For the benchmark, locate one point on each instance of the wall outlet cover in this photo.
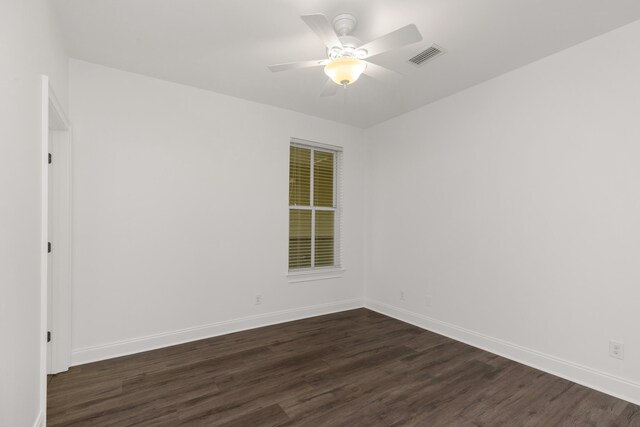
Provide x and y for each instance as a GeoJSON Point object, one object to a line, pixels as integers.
{"type": "Point", "coordinates": [616, 349]}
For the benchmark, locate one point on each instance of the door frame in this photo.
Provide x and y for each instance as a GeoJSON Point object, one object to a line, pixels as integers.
{"type": "Point", "coordinates": [56, 125]}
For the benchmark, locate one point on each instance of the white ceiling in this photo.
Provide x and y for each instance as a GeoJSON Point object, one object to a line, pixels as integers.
{"type": "Point", "coordinates": [226, 45]}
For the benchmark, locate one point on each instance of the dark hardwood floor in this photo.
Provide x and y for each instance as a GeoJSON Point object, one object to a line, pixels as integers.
{"type": "Point", "coordinates": [355, 368]}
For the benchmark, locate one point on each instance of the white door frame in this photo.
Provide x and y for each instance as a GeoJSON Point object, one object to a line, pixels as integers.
{"type": "Point", "coordinates": [56, 134]}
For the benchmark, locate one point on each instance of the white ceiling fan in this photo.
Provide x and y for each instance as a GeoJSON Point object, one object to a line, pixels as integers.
{"type": "Point", "coordinates": [346, 55]}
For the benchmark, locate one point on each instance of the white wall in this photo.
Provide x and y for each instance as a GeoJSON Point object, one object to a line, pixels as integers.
{"type": "Point", "coordinates": [181, 213]}
{"type": "Point", "coordinates": [30, 46]}
{"type": "Point", "coordinates": [515, 206]}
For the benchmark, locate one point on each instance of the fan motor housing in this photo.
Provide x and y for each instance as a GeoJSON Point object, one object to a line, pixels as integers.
{"type": "Point", "coordinates": [344, 24]}
{"type": "Point", "coordinates": [350, 41]}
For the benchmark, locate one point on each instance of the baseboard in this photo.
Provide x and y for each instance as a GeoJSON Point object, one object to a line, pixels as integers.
{"type": "Point", "coordinates": [151, 342]}
{"type": "Point", "coordinates": [39, 422]}
{"type": "Point", "coordinates": [592, 378]}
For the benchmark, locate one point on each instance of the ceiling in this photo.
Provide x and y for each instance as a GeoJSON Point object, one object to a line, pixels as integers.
{"type": "Point", "coordinates": [226, 45]}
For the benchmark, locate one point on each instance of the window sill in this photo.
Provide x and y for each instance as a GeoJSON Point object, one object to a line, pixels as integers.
{"type": "Point", "coordinates": [320, 274]}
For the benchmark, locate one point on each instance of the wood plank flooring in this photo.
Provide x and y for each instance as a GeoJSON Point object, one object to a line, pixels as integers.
{"type": "Point", "coordinates": [355, 368]}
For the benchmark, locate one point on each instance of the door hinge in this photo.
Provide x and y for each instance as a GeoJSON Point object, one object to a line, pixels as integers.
{"type": "Point", "coordinates": [48, 247]}
{"type": "Point", "coordinates": [50, 158]}
{"type": "Point", "coordinates": [48, 336]}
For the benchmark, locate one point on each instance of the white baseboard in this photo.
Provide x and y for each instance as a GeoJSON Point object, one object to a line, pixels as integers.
{"type": "Point", "coordinates": [165, 339]}
{"type": "Point", "coordinates": [589, 377]}
{"type": "Point", "coordinates": [39, 422]}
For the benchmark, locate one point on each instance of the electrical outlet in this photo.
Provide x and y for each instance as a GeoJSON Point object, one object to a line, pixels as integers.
{"type": "Point", "coordinates": [616, 349]}
{"type": "Point", "coordinates": [258, 299]}
{"type": "Point", "coordinates": [401, 295]}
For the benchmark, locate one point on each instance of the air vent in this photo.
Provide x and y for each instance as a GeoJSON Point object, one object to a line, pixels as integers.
{"type": "Point", "coordinates": [427, 55]}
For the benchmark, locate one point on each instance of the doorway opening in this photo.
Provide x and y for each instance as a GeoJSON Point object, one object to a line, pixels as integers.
{"type": "Point", "coordinates": [55, 303]}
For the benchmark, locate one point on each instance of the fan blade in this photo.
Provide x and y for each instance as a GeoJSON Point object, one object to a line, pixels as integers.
{"type": "Point", "coordinates": [381, 73]}
{"type": "Point", "coordinates": [329, 89]}
{"type": "Point", "coordinates": [323, 29]}
{"type": "Point", "coordinates": [395, 39]}
{"type": "Point", "coordinates": [295, 65]}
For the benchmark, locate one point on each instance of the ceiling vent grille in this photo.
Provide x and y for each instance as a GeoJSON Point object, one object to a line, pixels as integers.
{"type": "Point", "coordinates": [427, 55]}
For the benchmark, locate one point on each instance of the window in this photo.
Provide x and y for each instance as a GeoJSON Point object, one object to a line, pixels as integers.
{"type": "Point", "coordinates": [314, 211]}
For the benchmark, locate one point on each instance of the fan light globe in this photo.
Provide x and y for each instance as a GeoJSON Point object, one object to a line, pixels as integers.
{"type": "Point", "coordinates": [344, 71]}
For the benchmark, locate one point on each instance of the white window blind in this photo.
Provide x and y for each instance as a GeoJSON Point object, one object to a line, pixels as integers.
{"type": "Point", "coordinates": [314, 206]}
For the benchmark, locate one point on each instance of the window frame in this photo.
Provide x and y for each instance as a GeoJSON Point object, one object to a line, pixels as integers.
{"type": "Point", "coordinates": [335, 270]}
